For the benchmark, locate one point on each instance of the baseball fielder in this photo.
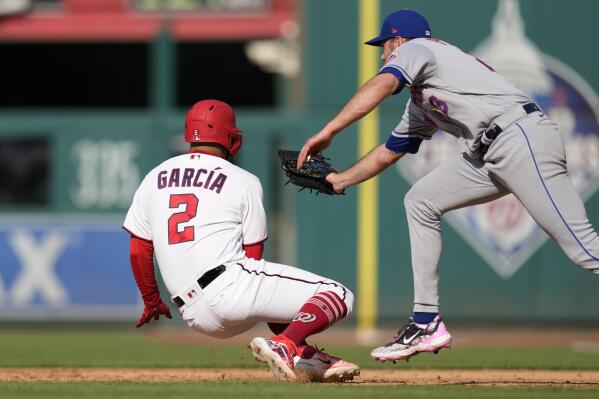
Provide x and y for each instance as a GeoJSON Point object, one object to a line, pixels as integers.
{"type": "Point", "coordinates": [511, 147]}
{"type": "Point", "coordinates": [204, 218]}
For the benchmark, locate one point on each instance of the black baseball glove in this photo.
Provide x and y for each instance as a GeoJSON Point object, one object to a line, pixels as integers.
{"type": "Point", "coordinates": [313, 173]}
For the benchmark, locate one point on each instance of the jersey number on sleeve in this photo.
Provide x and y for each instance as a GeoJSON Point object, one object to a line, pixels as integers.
{"type": "Point", "coordinates": [188, 234]}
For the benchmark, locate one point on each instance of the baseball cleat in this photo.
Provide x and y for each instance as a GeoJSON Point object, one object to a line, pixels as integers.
{"type": "Point", "coordinates": [277, 355]}
{"type": "Point", "coordinates": [413, 339]}
{"type": "Point", "coordinates": [320, 366]}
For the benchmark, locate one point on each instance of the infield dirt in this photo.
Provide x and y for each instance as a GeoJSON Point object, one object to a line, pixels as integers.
{"type": "Point", "coordinates": [373, 377]}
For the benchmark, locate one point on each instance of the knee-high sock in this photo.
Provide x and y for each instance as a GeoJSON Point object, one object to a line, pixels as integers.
{"type": "Point", "coordinates": [316, 315]}
{"type": "Point", "coordinates": [278, 328]}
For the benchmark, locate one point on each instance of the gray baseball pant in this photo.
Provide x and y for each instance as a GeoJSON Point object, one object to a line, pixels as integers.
{"type": "Point", "coordinates": [527, 159]}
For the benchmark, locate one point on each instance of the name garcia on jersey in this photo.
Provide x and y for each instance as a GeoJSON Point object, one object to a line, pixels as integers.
{"type": "Point", "coordinates": [191, 177]}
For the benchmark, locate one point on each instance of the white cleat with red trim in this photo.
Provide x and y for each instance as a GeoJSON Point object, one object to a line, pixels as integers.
{"type": "Point", "coordinates": [320, 366]}
{"type": "Point", "coordinates": [277, 353]}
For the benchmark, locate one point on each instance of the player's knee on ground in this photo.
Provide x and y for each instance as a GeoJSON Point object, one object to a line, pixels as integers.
{"type": "Point", "coordinates": [420, 208]}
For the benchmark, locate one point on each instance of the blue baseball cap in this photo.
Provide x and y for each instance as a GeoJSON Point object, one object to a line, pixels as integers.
{"type": "Point", "coordinates": [404, 23]}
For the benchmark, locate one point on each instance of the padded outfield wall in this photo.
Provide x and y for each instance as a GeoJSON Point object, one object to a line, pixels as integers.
{"type": "Point", "coordinates": [69, 257]}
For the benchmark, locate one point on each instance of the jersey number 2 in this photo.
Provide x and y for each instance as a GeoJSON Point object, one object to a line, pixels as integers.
{"type": "Point", "coordinates": [188, 234]}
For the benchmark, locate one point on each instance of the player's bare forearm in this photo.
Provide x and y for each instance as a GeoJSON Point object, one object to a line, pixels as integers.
{"type": "Point", "coordinates": [367, 98]}
{"type": "Point", "coordinates": [373, 163]}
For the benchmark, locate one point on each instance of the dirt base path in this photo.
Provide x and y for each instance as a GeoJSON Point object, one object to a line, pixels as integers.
{"type": "Point", "coordinates": [402, 377]}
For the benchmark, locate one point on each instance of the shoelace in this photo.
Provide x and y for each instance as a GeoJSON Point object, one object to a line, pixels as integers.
{"type": "Point", "coordinates": [319, 350]}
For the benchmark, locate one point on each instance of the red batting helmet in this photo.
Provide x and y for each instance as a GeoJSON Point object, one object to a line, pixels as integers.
{"type": "Point", "coordinates": [213, 121]}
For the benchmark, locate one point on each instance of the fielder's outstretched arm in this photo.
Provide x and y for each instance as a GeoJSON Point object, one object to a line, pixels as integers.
{"type": "Point", "coordinates": [365, 100]}
{"type": "Point", "coordinates": [370, 165]}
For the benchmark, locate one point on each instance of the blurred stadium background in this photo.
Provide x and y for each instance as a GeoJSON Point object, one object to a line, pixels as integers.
{"type": "Point", "coordinates": [93, 94]}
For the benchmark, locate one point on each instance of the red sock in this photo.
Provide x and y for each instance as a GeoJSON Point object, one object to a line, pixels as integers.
{"type": "Point", "coordinates": [278, 328]}
{"type": "Point", "coordinates": [317, 314]}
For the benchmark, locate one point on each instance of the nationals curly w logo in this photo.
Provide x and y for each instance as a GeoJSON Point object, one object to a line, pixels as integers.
{"type": "Point", "coordinates": [305, 317]}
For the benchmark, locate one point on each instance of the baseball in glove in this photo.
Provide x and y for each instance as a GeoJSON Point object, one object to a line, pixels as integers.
{"type": "Point", "coordinates": [312, 175]}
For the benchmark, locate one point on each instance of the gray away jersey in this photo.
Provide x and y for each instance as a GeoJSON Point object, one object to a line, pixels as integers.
{"type": "Point", "coordinates": [450, 90]}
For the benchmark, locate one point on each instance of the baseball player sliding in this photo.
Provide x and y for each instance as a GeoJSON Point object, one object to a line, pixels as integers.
{"type": "Point", "coordinates": [204, 218]}
{"type": "Point", "coordinates": [511, 147]}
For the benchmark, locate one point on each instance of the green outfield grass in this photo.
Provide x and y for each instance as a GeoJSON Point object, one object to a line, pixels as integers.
{"type": "Point", "coordinates": [91, 348]}
{"type": "Point", "coordinates": [265, 390]}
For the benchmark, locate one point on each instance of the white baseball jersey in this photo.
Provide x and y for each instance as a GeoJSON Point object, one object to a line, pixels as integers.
{"type": "Point", "coordinates": [450, 90]}
{"type": "Point", "coordinates": [198, 210]}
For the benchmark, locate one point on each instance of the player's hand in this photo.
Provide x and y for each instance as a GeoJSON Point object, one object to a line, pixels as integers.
{"type": "Point", "coordinates": [153, 312]}
{"type": "Point", "coordinates": [333, 178]}
{"type": "Point", "coordinates": [314, 145]}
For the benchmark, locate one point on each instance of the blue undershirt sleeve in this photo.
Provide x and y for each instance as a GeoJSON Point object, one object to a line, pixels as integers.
{"type": "Point", "coordinates": [395, 72]}
{"type": "Point", "coordinates": [398, 144]}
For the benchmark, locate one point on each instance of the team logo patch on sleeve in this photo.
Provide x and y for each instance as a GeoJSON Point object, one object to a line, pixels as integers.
{"type": "Point", "coordinates": [391, 57]}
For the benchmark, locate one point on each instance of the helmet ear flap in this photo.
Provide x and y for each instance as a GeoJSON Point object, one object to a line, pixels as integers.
{"type": "Point", "coordinates": [236, 140]}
